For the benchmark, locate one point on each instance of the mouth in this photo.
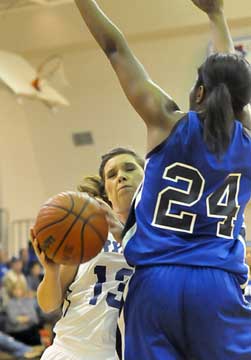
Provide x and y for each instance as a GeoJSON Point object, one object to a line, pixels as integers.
{"type": "Point", "coordinates": [125, 187]}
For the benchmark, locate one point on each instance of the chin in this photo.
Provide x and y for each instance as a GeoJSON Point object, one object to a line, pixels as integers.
{"type": "Point", "coordinates": [126, 199]}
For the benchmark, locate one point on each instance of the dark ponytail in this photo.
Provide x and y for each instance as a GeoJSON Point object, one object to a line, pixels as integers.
{"type": "Point", "coordinates": [226, 79]}
{"type": "Point", "coordinates": [219, 119]}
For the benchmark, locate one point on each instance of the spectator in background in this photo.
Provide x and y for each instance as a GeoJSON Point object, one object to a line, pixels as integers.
{"type": "Point", "coordinates": [34, 276]}
{"type": "Point", "coordinates": [18, 349]}
{"type": "Point", "coordinates": [32, 255]}
{"type": "Point", "coordinates": [3, 264]}
{"type": "Point", "coordinates": [3, 270]}
{"type": "Point", "coordinates": [22, 321]}
{"type": "Point", "coordinates": [24, 256]}
{"type": "Point", "coordinates": [14, 276]}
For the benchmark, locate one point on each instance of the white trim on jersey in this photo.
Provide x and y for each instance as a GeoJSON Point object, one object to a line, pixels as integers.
{"type": "Point", "coordinates": [129, 234]}
{"type": "Point", "coordinates": [242, 240]}
{"type": "Point", "coordinates": [121, 321]}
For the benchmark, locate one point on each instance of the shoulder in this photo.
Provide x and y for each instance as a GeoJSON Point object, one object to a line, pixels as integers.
{"type": "Point", "coordinates": [157, 134]}
{"type": "Point", "coordinates": [186, 124]}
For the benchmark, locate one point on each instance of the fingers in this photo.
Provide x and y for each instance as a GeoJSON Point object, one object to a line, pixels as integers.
{"type": "Point", "coordinates": [36, 247]}
{"type": "Point", "coordinates": [42, 258]}
{"type": "Point", "coordinates": [32, 235]}
{"type": "Point", "coordinates": [107, 209]}
{"type": "Point", "coordinates": [103, 204]}
{"type": "Point", "coordinates": [209, 6]}
{"type": "Point", "coordinates": [115, 226]}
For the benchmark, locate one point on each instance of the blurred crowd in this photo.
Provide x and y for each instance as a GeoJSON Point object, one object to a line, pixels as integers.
{"type": "Point", "coordinates": [20, 316]}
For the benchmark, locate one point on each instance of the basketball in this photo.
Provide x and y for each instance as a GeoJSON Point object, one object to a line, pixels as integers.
{"type": "Point", "coordinates": [71, 228]}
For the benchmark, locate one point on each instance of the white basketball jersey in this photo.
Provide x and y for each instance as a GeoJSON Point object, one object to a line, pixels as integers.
{"type": "Point", "coordinates": [88, 325]}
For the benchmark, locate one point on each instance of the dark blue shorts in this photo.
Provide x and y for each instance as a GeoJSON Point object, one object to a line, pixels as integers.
{"type": "Point", "coordinates": [181, 312]}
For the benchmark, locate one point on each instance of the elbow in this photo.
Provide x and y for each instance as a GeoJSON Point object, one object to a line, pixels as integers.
{"type": "Point", "coordinates": [110, 47]}
{"type": "Point", "coordinates": [114, 44]}
{"type": "Point", "coordinates": [47, 304]}
{"type": "Point", "coordinates": [48, 308]}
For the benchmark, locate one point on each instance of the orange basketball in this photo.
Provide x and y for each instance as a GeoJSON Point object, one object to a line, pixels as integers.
{"type": "Point", "coordinates": [71, 228]}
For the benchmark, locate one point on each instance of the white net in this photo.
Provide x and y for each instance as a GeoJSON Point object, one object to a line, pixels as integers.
{"type": "Point", "coordinates": [52, 69]}
{"type": "Point", "coordinates": [21, 78]}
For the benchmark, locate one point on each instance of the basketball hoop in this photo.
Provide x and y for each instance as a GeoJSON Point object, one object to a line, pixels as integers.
{"type": "Point", "coordinates": [49, 69]}
{"type": "Point", "coordinates": [36, 84]}
{"type": "Point", "coordinates": [24, 81]}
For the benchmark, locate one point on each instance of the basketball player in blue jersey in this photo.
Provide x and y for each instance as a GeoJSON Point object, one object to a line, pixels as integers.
{"type": "Point", "coordinates": [182, 235]}
{"type": "Point", "coordinates": [91, 293]}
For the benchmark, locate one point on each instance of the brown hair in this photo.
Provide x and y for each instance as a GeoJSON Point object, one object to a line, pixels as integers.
{"type": "Point", "coordinates": [115, 152]}
{"type": "Point", "coordinates": [93, 185]}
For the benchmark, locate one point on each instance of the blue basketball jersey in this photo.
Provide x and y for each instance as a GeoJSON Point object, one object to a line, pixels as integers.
{"type": "Point", "coordinates": [189, 208]}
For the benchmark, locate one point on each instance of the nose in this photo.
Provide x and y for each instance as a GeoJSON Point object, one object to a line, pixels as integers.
{"type": "Point", "coordinates": [121, 177]}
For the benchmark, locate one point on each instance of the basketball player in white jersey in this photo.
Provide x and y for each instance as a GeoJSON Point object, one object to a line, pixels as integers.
{"type": "Point", "coordinates": [91, 293]}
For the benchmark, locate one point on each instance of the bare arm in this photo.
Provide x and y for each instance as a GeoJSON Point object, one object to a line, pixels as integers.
{"type": "Point", "coordinates": [156, 108]}
{"type": "Point", "coordinates": [51, 290]}
{"type": "Point", "coordinates": [222, 40]}
{"type": "Point", "coordinates": [221, 37]}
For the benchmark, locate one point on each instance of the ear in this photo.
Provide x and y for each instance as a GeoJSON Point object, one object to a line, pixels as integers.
{"type": "Point", "coordinates": [200, 93]}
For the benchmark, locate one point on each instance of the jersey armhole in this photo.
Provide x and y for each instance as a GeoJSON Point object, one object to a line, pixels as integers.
{"type": "Point", "coordinates": [247, 131]}
{"type": "Point", "coordinates": [162, 144]}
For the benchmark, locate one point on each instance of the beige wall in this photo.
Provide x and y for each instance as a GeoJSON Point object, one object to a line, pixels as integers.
{"type": "Point", "coordinates": [38, 158]}
{"type": "Point", "coordinates": [248, 221]}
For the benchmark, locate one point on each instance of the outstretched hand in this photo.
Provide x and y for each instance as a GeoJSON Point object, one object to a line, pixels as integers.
{"type": "Point", "coordinates": [209, 6]}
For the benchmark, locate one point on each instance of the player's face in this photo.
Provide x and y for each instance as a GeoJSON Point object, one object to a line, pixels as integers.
{"type": "Point", "coordinates": [122, 176]}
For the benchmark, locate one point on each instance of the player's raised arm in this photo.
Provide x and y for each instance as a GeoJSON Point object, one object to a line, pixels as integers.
{"type": "Point", "coordinates": [222, 40]}
{"type": "Point", "coordinates": [221, 37]}
{"type": "Point", "coordinates": [155, 107]}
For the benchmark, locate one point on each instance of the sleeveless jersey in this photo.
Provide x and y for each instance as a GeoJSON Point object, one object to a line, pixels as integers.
{"type": "Point", "coordinates": [189, 209]}
{"type": "Point", "coordinates": [88, 325]}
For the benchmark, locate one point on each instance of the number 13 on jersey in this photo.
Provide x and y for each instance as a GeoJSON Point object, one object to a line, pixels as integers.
{"type": "Point", "coordinates": [111, 298]}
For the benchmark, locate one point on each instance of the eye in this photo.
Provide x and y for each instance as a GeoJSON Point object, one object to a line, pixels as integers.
{"type": "Point", "coordinates": [130, 167]}
{"type": "Point", "coordinates": [110, 174]}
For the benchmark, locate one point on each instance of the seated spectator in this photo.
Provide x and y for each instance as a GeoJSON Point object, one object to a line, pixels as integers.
{"type": "Point", "coordinates": [3, 264]}
{"type": "Point", "coordinates": [32, 255]}
{"type": "Point", "coordinates": [22, 321]}
{"type": "Point", "coordinates": [18, 349]}
{"type": "Point", "coordinates": [13, 276]}
{"type": "Point", "coordinates": [24, 256]}
{"type": "Point", "coordinates": [3, 270]}
{"type": "Point", "coordinates": [34, 276]}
